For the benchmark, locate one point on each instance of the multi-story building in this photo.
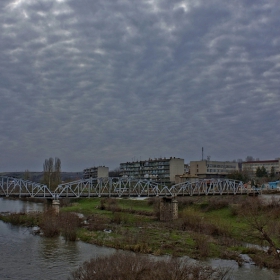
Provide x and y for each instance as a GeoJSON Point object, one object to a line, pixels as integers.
{"type": "Point", "coordinates": [252, 166]}
{"type": "Point", "coordinates": [186, 169]}
{"type": "Point", "coordinates": [212, 169]}
{"type": "Point", "coordinates": [96, 172]}
{"type": "Point", "coordinates": [157, 169]}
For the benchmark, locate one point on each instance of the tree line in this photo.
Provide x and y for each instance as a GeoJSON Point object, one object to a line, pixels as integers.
{"type": "Point", "coordinates": [260, 177]}
{"type": "Point", "coordinates": [262, 172]}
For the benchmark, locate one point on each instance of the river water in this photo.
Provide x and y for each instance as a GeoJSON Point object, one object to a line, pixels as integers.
{"type": "Point", "coordinates": [24, 256]}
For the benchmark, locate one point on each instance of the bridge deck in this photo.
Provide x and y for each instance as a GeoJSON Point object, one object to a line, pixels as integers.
{"type": "Point", "coordinates": [121, 187]}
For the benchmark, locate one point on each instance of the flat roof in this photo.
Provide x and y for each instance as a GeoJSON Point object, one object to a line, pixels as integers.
{"type": "Point", "coordinates": [261, 161]}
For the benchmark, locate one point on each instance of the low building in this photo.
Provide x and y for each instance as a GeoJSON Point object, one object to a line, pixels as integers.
{"type": "Point", "coordinates": [274, 185]}
{"type": "Point", "coordinates": [252, 166]}
{"type": "Point", "coordinates": [212, 169]}
{"type": "Point", "coordinates": [161, 169]}
{"type": "Point", "coordinates": [96, 172]}
{"type": "Point", "coordinates": [185, 177]}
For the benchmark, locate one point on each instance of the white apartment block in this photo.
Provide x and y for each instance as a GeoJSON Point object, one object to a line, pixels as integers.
{"type": "Point", "coordinates": [251, 166]}
{"type": "Point", "coordinates": [96, 172]}
{"type": "Point", "coordinates": [212, 169]}
{"type": "Point", "coordinates": [156, 169]}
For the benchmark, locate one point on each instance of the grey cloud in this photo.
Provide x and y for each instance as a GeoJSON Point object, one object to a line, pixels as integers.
{"type": "Point", "coordinates": [100, 82]}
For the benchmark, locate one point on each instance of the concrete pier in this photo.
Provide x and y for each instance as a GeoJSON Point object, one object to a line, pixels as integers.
{"type": "Point", "coordinates": [168, 209]}
{"type": "Point", "coordinates": [55, 205]}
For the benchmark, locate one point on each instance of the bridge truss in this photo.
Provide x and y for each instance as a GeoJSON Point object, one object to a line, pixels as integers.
{"type": "Point", "coordinates": [209, 187]}
{"type": "Point", "coordinates": [23, 188]}
{"type": "Point", "coordinates": [128, 187]}
{"type": "Point", "coordinates": [120, 187]}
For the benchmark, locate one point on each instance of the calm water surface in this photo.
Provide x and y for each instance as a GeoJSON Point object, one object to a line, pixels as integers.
{"type": "Point", "coordinates": [24, 256]}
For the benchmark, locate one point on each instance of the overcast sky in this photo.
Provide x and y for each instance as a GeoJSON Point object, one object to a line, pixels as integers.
{"type": "Point", "coordinates": [100, 82]}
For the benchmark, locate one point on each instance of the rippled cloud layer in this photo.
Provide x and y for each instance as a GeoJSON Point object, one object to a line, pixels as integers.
{"type": "Point", "coordinates": [104, 82]}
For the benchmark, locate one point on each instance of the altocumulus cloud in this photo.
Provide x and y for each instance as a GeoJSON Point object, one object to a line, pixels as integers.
{"type": "Point", "coordinates": [102, 82]}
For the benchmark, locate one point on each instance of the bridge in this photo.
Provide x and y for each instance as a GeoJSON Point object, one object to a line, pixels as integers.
{"type": "Point", "coordinates": [13, 187]}
{"type": "Point", "coordinates": [120, 187]}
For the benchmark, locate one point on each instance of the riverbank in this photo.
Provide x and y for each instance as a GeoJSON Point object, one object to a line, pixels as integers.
{"type": "Point", "coordinates": [208, 227]}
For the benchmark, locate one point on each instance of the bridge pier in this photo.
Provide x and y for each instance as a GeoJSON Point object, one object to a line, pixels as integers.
{"type": "Point", "coordinates": [168, 209]}
{"type": "Point", "coordinates": [55, 206]}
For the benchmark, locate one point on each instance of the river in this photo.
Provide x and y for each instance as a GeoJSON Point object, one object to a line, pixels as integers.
{"type": "Point", "coordinates": [24, 256]}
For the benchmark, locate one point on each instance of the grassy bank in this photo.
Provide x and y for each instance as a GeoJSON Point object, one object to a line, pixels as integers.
{"type": "Point", "coordinates": [207, 227]}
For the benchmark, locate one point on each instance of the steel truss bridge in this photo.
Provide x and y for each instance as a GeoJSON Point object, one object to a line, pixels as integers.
{"type": "Point", "coordinates": [22, 188]}
{"type": "Point", "coordinates": [120, 187]}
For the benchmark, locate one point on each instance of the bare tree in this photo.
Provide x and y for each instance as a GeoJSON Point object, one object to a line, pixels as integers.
{"type": "Point", "coordinates": [26, 175]}
{"type": "Point", "coordinates": [57, 171]}
{"type": "Point", "coordinates": [249, 158]}
{"type": "Point", "coordinates": [115, 173]}
{"type": "Point", "coordinates": [134, 267]}
{"type": "Point", "coordinates": [52, 172]}
{"type": "Point", "coordinates": [258, 217]}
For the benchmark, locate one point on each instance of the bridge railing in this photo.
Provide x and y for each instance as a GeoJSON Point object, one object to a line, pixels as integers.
{"type": "Point", "coordinates": [10, 186]}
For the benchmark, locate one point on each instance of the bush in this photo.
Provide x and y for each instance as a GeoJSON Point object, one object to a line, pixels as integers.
{"type": "Point", "coordinates": [262, 259]}
{"type": "Point", "coordinates": [193, 221]}
{"type": "Point", "coordinates": [184, 202]}
{"type": "Point", "coordinates": [65, 202]}
{"type": "Point", "coordinates": [217, 203]}
{"type": "Point", "coordinates": [30, 219]}
{"type": "Point", "coordinates": [65, 223]}
{"type": "Point", "coordinates": [96, 222]}
{"type": "Point", "coordinates": [69, 223]}
{"type": "Point", "coordinates": [50, 223]}
{"type": "Point", "coordinates": [109, 204]}
{"type": "Point", "coordinates": [120, 218]}
{"type": "Point", "coordinates": [133, 267]}
{"type": "Point", "coordinates": [201, 245]}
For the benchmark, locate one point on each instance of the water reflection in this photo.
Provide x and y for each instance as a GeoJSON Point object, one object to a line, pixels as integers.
{"type": "Point", "coordinates": [24, 256]}
{"type": "Point", "coordinates": [13, 205]}
{"type": "Point", "coordinates": [246, 272]}
{"type": "Point", "coordinates": [52, 250]}
{"type": "Point", "coordinates": [55, 252]}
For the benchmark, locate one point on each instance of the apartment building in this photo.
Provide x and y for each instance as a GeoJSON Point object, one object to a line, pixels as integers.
{"type": "Point", "coordinates": [96, 172]}
{"type": "Point", "coordinates": [252, 166]}
{"type": "Point", "coordinates": [157, 169]}
{"type": "Point", "coordinates": [212, 169]}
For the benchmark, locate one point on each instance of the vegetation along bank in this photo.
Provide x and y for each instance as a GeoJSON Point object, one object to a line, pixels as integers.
{"type": "Point", "coordinates": [207, 227]}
